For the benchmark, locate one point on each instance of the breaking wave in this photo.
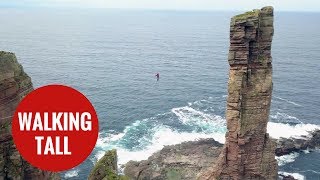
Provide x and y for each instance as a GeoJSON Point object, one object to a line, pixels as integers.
{"type": "Point", "coordinates": [280, 130]}
{"type": "Point", "coordinates": [144, 137]}
{"type": "Point", "coordinates": [71, 173]}
{"type": "Point", "coordinates": [285, 159]}
{"type": "Point", "coordinates": [288, 101]}
{"type": "Point", "coordinates": [285, 118]}
{"type": "Point", "coordinates": [194, 121]}
{"type": "Point", "coordinates": [295, 175]}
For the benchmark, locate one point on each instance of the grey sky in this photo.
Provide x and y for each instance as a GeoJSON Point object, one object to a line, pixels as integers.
{"type": "Point", "coordinates": [280, 5]}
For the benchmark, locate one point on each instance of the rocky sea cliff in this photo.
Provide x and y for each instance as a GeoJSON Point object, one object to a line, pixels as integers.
{"type": "Point", "coordinates": [14, 85]}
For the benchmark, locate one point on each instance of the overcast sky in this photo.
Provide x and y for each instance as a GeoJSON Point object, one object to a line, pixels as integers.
{"type": "Point", "coordinates": [280, 5]}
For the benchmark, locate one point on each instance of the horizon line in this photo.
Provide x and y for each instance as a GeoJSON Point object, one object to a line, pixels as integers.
{"type": "Point", "coordinates": [141, 9]}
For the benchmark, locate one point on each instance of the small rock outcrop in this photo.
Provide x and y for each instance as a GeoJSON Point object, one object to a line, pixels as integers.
{"type": "Point", "coordinates": [289, 177]}
{"type": "Point", "coordinates": [183, 161]}
{"type": "Point", "coordinates": [14, 85]}
{"type": "Point", "coordinates": [286, 146]}
{"type": "Point", "coordinates": [248, 152]}
{"type": "Point", "coordinates": [107, 168]}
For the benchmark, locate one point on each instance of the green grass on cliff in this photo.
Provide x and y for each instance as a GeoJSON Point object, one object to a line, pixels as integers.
{"type": "Point", "coordinates": [246, 15]}
{"type": "Point", "coordinates": [173, 174]}
{"type": "Point", "coordinates": [106, 168]}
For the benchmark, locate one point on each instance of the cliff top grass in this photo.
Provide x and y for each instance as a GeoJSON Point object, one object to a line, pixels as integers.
{"type": "Point", "coordinates": [106, 168]}
{"type": "Point", "coordinates": [9, 66]}
{"type": "Point", "coordinates": [107, 163]}
{"type": "Point", "coordinates": [246, 15]}
{"type": "Point", "coordinates": [8, 62]}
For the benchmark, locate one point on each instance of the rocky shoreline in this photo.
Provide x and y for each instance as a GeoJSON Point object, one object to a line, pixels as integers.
{"type": "Point", "coordinates": [287, 146]}
{"type": "Point", "coordinates": [189, 159]}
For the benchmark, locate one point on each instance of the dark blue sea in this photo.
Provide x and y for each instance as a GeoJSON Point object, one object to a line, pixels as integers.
{"type": "Point", "coordinates": [112, 56]}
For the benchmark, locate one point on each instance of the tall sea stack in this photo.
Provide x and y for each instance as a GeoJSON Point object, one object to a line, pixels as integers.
{"type": "Point", "coordinates": [14, 85]}
{"type": "Point", "coordinates": [248, 152]}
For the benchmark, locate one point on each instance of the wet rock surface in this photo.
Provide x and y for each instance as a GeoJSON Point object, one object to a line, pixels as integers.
{"type": "Point", "coordinates": [182, 161]}
{"type": "Point", "coordinates": [286, 146]}
{"type": "Point", "coordinates": [283, 177]}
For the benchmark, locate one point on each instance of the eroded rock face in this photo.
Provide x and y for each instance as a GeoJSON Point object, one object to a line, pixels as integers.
{"type": "Point", "coordinates": [183, 161]}
{"type": "Point", "coordinates": [14, 85]}
{"type": "Point", "coordinates": [248, 152]}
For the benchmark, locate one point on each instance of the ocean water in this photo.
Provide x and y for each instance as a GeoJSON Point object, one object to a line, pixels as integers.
{"type": "Point", "coordinates": [112, 56]}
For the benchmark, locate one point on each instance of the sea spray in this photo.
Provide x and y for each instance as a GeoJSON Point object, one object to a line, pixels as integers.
{"type": "Point", "coordinates": [150, 134]}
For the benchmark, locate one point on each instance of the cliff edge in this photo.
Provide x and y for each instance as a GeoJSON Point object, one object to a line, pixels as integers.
{"type": "Point", "coordinates": [107, 168]}
{"type": "Point", "coordinates": [14, 85]}
{"type": "Point", "coordinates": [248, 152]}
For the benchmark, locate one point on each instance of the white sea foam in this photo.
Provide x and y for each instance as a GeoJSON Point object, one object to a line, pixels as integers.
{"type": "Point", "coordinates": [71, 173]}
{"type": "Point", "coordinates": [306, 151]}
{"type": "Point", "coordinates": [278, 130]}
{"type": "Point", "coordinates": [313, 171]}
{"type": "Point", "coordinates": [285, 117]}
{"type": "Point", "coordinates": [104, 141]}
{"type": "Point", "coordinates": [163, 136]}
{"type": "Point", "coordinates": [295, 175]}
{"type": "Point", "coordinates": [211, 126]}
{"type": "Point", "coordinates": [151, 136]}
{"type": "Point", "coordinates": [291, 102]}
{"type": "Point", "coordinates": [189, 115]}
{"type": "Point", "coordinates": [285, 159]}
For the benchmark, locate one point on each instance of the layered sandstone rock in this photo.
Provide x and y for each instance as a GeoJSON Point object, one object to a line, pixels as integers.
{"type": "Point", "coordinates": [248, 152]}
{"type": "Point", "coordinates": [14, 85]}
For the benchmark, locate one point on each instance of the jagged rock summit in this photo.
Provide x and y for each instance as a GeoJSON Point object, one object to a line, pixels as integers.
{"type": "Point", "coordinates": [248, 152]}
{"type": "Point", "coordinates": [14, 85]}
